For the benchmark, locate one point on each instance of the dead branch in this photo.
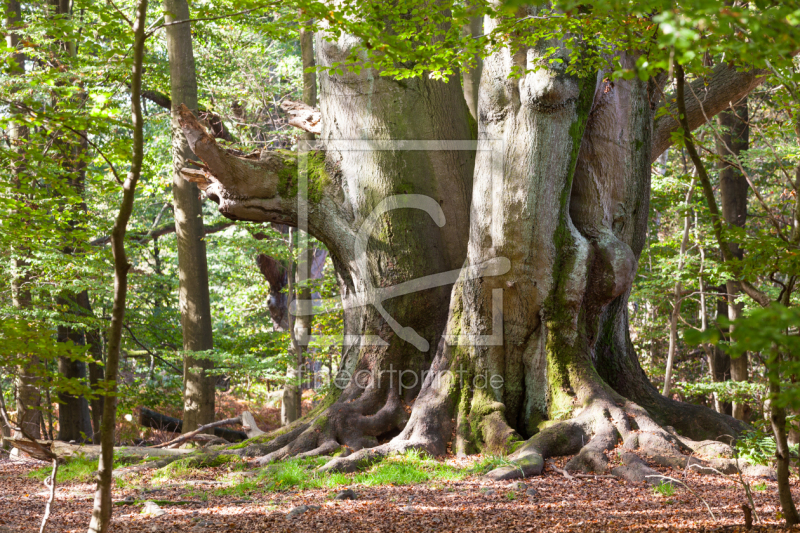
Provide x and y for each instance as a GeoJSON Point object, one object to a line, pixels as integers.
{"type": "Point", "coordinates": [187, 436]}
{"type": "Point", "coordinates": [562, 471]}
{"type": "Point", "coordinates": [49, 482]}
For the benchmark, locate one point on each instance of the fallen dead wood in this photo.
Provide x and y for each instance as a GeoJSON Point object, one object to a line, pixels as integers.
{"type": "Point", "coordinates": [41, 450]}
{"type": "Point", "coordinates": [64, 450]}
{"type": "Point", "coordinates": [191, 434]}
{"type": "Point", "coordinates": [152, 419]}
{"type": "Point", "coordinates": [159, 502]}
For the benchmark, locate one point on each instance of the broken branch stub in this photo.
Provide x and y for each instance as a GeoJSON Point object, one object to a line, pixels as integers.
{"type": "Point", "coordinates": [303, 116]}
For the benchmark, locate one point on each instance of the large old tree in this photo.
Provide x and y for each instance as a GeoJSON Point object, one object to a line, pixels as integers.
{"type": "Point", "coordinates": [546, 223]}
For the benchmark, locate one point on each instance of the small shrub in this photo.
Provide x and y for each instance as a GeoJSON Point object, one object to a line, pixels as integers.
{"type": "Point", "coordinates": [664, 489]}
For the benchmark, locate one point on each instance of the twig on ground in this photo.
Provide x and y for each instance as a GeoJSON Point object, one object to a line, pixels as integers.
{"type": "Point", "coordinates": [741, 481]}
{"type": "Point", "coordinates": [562, 471]}
{"type": "Point", "coordinates": [690, 490]}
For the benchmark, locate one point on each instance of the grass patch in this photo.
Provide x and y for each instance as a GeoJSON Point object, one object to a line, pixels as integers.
{"type": "Point", "coordinates": [200, 494]}
{"type": "Point", "coordinates": [78, 470]}
{"type": "Point", "coordinates": [760, 486]}
{"type": "Point", "coordinates": [664, 489]}
{"type": "Point", "coordinates": [410, 468]}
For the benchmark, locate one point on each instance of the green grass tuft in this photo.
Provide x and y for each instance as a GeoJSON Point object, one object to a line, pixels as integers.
{"type": "Point", "coordinates": [410, 468]}
{"type": "Point", "coordinates": [78, 470]}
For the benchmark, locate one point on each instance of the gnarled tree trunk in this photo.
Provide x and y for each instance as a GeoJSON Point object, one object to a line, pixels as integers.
{"type": "Point", "coordinates": [544, 229]}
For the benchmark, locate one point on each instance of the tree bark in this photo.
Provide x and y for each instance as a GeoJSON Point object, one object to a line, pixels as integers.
{"type": "Point", "coordinates": [471, 77]}
{"type": "Point", "coordinates": [195, 302]}
{"type": "Point", "coordinates": [101, 512]}
{"type": "Point", "coordinates": [74, 419]}
{"type": "Point", "coordinates": [731, 142]}
{"type": "Point", "coordinates": [73, 413]}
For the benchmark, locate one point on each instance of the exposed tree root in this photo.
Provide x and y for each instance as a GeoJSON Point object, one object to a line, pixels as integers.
{"type": "Point", "coordinates": [354, 426]}
{"type": "Point", "coordinates": [589, 436]}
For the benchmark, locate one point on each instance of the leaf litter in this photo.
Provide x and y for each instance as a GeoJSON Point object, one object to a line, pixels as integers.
{"type": "Point", "coordinates": [470, 503]}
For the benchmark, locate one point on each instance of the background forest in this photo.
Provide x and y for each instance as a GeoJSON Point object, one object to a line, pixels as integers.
{"type": "Point", "coordinates": [74, 105]}
{"type": "Point", "coordinates": [66, 140]}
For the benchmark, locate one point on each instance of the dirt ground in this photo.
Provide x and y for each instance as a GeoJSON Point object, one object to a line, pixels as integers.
{"type": "Point", "coordinates": [474, 504]}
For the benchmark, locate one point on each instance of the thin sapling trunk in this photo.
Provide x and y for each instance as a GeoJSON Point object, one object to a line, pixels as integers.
{"type": "Point", "coordinates": [101, 513]}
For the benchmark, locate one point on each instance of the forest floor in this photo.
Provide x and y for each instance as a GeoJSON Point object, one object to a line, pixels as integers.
{"type": "Point", "coordinates": [401, 496]}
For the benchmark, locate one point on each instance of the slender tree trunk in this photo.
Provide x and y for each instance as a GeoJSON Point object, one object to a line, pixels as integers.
{"type": "Point", "coordinates": [782, 453]}
{"type": "Point", "coordinates": [309, 75]}
{"type": "Point", "coordinates": [300, 325]}
{"type": "Point", "coordinates": [73, 412]}
{"type": "Point", "coordinates": [101, 513]}
{"type": "Point", "coordinates": [677, 296]}
{"type": "Point", "coordinates": [195, 302]}
{"type": "Point", "coordinates": [291, 400]}
{"type": "Point", "coordinates": [718, 370]}
{"type": "Point", "coordinates": [731, 143]}
{"type": "Point", "coordinates": [96, 371]}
